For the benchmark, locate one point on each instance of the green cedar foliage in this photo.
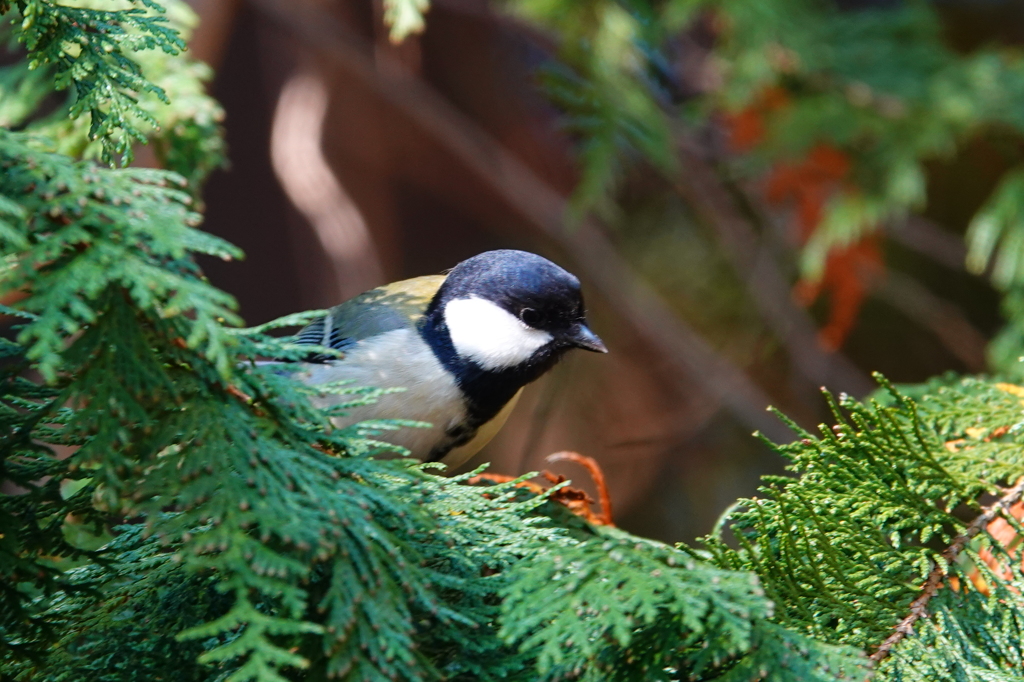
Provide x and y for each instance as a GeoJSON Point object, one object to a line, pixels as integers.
{"type": "Point", "coordinates": [175, 509]}
{"type": "Point", "coordinates": [181, 511]}
{"type": "Point", "coordinates": [405, 17]}
{"type": "Point", "coordinates": [112, 101]}
{"type": "Point", "coordinates": [894, 496]}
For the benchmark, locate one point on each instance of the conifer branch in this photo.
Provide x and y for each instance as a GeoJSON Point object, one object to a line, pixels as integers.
{"type": "Point", "coordinates": [931, 586]}
{"type": "Point", "coordinates": [258, 539]}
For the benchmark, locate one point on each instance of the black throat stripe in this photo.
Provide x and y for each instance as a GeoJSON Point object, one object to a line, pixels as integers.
{"type": "Point", "coordinates": [485, 392]}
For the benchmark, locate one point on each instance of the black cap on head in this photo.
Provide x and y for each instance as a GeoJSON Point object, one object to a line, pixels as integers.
{"type": "Point", "coordinates": [490, 359]}
{"type": "Point", "coordinates": [532, 288]}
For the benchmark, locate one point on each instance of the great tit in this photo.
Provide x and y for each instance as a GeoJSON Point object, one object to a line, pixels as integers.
{"type": "Point", "coordinates": [461, 345]}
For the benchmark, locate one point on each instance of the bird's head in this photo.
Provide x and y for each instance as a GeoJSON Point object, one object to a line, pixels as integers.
{"type": "Point", "coordinates": [512, 310]}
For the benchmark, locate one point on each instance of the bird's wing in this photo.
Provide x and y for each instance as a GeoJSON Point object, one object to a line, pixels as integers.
{"type": "Point", "coordinates": [393, 306]}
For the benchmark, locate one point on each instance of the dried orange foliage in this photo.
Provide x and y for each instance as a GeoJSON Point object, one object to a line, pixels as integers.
{"type": "Point", "coordinates": [999, 529]}
{"type": "Point", "coordinates": [849, 274]}
{"type": "Point", "coordinates": [1012, 389]}
{"type": "Point", "coordinates": [1003, 533]}
{"type": "Point", "coordinates": [808, 184]}
{"type": "Point", "coordinates": [494, 479]}
{"type": "Point", "coordinates": [575, 500]}
{"type": "Point", "coordinates": [596, 474]}
{"type": "Point", "coordinates": [849, 271]}
{"type": "Point", "coordinates": [747, 127]}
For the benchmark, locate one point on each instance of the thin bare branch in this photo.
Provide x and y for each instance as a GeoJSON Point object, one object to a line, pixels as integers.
{"type": "Point", "coordinates": [918, 607]}
{"type": "Point", "coordinates": [925, 237]}
{"type": "Point", "coordinates": [942, 318]}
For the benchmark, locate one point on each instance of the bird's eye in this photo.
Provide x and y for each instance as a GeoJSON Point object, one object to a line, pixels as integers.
{"type": "Point", "coordinates": [531, 317]}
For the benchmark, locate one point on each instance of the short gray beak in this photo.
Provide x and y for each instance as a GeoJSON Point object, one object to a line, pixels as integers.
{"type": "Point", "coordinates": [581, 337]}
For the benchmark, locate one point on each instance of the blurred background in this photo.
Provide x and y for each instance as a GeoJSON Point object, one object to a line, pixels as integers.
{"type": "Point", "coordinates": [760, 199]}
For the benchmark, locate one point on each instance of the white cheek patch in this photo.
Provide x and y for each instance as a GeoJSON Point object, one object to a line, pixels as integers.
{"type": "Point", "coordinates": [490, 336]}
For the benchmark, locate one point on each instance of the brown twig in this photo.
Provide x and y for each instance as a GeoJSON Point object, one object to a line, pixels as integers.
{"type": "Point", "coordinates": [496, 479]}
{"type": "Point", "coordinates": [247, 399]}
{"type": "Point", "coordinates": [239, 393]}
{"type": "Point", "coordinates": [928, 239]}
{"type": "Point", "coordinates": [596, 474]}
{"type": "Point", "coordinates": [918, 607]}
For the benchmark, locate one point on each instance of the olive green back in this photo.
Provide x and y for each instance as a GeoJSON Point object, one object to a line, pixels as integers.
{"type": "Point", "coordinates": [393, 306]}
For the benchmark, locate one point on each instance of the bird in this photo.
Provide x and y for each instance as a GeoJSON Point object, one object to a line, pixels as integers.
{"type": "Point", "coordinates": [459, 347]}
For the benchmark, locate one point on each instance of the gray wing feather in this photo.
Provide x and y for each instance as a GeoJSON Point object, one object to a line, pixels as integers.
{"type": "Point", "coordinates": [393, 306]}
